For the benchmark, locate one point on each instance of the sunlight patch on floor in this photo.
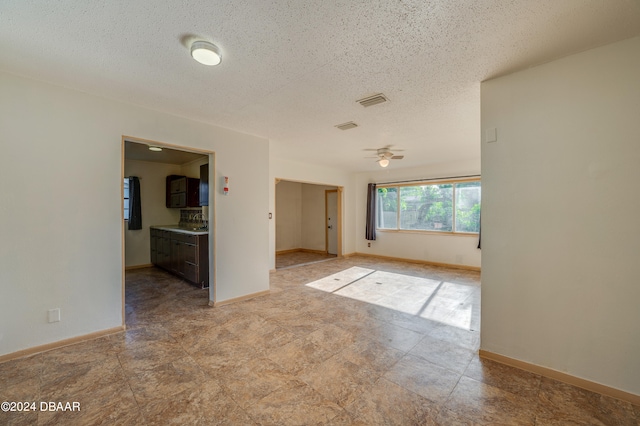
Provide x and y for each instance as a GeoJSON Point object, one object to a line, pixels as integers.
{"type": "Point", "coordinates": [445, 302]}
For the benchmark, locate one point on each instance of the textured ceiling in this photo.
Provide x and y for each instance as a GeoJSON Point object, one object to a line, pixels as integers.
{"type": "Point", "coordinates": [292, 70]}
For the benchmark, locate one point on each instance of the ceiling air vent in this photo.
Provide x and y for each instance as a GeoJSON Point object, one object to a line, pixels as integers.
{"type": "Point", "coordinates": [373, 100]}
{"type": "Point", "coordinates": [347, 126]}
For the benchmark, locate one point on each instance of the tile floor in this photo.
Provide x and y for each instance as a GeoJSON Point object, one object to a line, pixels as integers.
{"type": "Point", "coordinates": [333, 344]}
{"type": "Point", "coordinates": [297, 258]}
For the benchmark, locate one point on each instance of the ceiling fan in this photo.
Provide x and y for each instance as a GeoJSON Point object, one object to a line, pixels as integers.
{"type": "Point", "coordinates": [384, 155]}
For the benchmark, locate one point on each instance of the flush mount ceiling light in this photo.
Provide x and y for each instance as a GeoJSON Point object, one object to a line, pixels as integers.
{"type": "Point", "coordinates": [154, 148]}
{"type": "Point", "coordinates": [383, 162]}
{"type": "Point", "coordinates": [206, 53]}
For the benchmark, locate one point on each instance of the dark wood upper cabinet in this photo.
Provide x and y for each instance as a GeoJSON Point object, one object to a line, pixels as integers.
{"type": "Point", "coordinates": [204, 185]}
{"type": "Point", "coordinates": [182, 191]}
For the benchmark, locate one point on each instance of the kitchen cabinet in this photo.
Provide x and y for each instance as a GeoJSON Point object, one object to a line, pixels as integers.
{"type": "Point", "coordinates": [154, 245]}
{"type": "Point", "coordinates": [204, 185]}
{"type": "Point", "coordinates": [183, 253]}
{"type": "Point", "coordinates": [182, 191]}
{"type": "Point", "coordinates": [160, 248]}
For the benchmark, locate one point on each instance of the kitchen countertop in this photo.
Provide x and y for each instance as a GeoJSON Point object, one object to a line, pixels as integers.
{"type": "Point", "coordinates": [177, 228]}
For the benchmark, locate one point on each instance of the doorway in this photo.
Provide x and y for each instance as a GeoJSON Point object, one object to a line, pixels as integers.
{"type": "Point", "coordinates": [308, 223]}
{"type": "Point", "coordinates": [331, 207]}
{"type": "Point", "coordinates": [152, 167]}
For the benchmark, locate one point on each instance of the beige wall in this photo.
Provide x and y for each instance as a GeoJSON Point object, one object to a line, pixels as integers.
{"type": "Point", "coordinates": [561, 235]}
{"type": "Point", "coordinates": [192, 168]}
{"type": "Point", "coordinates": [288, 215]}
{"type": "Point", "coordinates": [62, 227]}
{"type": "Point", "coordinates": [314, 174]}
{"type": "Point", "coordinates": [300, 216]}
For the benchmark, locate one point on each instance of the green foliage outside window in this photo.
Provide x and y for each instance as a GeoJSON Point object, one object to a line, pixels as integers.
{"type": "Point", "coordinates": [387, 207]}
{"type": "Point", "coordinates": [468, 207]}
{"type": "Point", "coordinates": [431, 207]}
{"type": "Point", "coordinates": [427, 207]}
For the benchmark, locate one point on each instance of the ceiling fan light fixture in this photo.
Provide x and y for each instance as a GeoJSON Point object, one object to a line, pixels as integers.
{"type": "Point", "coordinates": [383, 162]}
{"type": "Point", "coordinates": [206, 53]}
{"type": "Point", "coordinates": [155, 148]}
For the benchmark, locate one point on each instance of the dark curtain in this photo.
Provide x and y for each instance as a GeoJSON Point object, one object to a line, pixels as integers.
{"type": "Point", "coordinates": [135, 205]}
{"type": "Point", "coordinates": [371, 212]}
{"type": "Point", "coordinates": [480, 232]}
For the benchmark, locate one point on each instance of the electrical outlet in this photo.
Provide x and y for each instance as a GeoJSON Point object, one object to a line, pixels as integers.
{"type": "Point", "coordinates": [368, 244]}
{"type": "Point", "coordinates": [54, 315]}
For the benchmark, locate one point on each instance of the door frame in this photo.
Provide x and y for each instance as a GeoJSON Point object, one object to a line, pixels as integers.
{"type": "Point", "coordinates": [326, 220]}
{"type": "Point", "coordinates": [338, 188]}
{"type": "Point", "coordinates": [211, 216]}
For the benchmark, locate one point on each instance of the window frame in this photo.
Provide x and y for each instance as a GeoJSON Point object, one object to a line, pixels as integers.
{"type": "Point", "coordinates": [452, 182]}
{"type": "Point", "coordinates": [125, 195]}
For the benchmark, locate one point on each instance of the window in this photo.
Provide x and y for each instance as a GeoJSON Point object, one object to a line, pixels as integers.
{"type": "Point", "coordinates": [439, 207]}
{"type": "Point", "coordinates": [468, 207]}
{"type": "Point", "coordinates": [387, 206]}
{"type": "Point", "coordinates": [126, 198]}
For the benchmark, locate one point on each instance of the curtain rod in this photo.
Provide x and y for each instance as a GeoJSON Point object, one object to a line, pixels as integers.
{"type": "Point", "coordinates": [426, 180]}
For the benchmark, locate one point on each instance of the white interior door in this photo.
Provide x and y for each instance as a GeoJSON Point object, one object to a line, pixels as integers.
{"type": "Point", "coordinates": [332, 222]}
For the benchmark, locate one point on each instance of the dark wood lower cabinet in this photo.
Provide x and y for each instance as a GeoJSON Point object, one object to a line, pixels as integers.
{"type": "Point", "coordinates": [154, 247]}
{"type": "Point", "coordinates": [185, 255]}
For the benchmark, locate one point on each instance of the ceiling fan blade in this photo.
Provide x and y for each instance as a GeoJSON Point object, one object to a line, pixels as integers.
{"type": "Point", "coordinates": [386, 148]}
{"type": "Point", "coordinates": [385, 153]}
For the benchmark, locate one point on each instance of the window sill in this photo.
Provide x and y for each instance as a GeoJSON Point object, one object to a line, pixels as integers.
{"type": "Point", "coordinates": [425, 232]}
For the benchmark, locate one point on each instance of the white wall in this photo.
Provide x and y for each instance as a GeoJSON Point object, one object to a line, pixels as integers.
{"type": "Point", "coordinates": [288, 214]}
{"type": "Point", "coordinates": [61, 228]}
{"type": "Point", "coordinates": [450, 249]}
{"type": "Point", "coordinates": [560, 208]}
{"type": "Point", "coordinates": [154, 210]}
{"type": "Point", "coordinates": [310, 173]}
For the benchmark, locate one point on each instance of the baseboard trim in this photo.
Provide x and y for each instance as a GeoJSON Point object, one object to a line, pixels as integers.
{"type": "Point", "coordinates": [562, 377]}
{"type": "Point", "coordinates": [128, 268]}
{"type": "Point", "coordinates": [314, 251]}
{"type": "Point", "coordinates": [66, 342]}
{"type": "Point", "coordinates": [419, 261]}
{"type": "Point", "coordinates": [295, 250]}
{"type": "Point", "coordinates": [239, 299]}
{"type": "Point", "coordinates": [301, 250]}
